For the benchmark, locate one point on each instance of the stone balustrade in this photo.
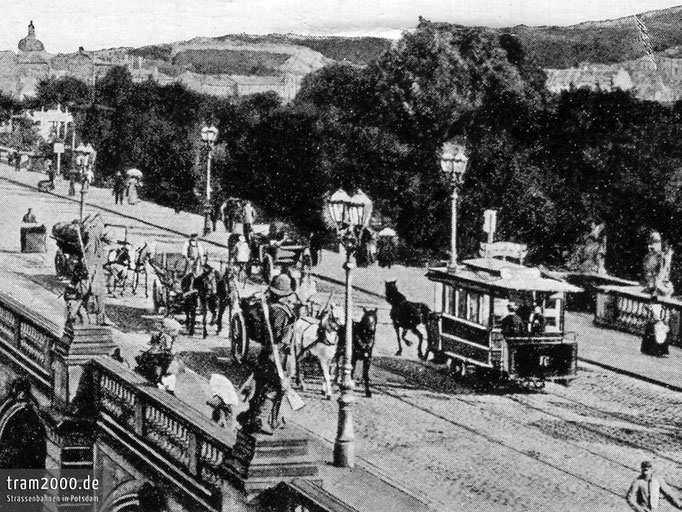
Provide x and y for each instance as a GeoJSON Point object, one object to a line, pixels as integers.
{"type": "Point", "coordinates": [626, 308]}
{"type": "Point", "coordinates": [185, 438]}
{"type": "Point", "coordinates": [28, 339]}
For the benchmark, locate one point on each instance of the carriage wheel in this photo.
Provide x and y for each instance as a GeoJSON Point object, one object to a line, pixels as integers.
{"type": "Point", "coordinates": [238, 336]}
{"type": "Point", "coordinates": [267, 268]}
{"type": "Point", "coordinates": [60, 264]}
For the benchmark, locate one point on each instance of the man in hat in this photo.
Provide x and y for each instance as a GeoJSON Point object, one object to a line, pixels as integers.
{"type": "Point", "coordinates": [512, 325]}
{"type": "Point", "coordinates": [29, 218]}
{"type": "Point", "coordinates": [270, 378]}
{"type": "Point", "coordinates": [647, 489]}
{"type": "Point", "coordinates": [193, 249]}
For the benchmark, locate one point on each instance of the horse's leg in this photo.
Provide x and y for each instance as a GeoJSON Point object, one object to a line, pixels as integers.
{"type": "Point", "coordinates": [222, 305]}
{"type": "Point", "coordinates": [397, 333]}
{"type": "Point", "coordinates": [191, 315]}
{"type": "Point", "coordinates": [204, 313]}
{"type": "Point", "coordinates": [408, 343]}
{"type": "Point", "coordinates": [327, 386]}
{"type": "Point", "coordinates": [420, 354]}
{"type": "Point", "coordinates": [366, 362]}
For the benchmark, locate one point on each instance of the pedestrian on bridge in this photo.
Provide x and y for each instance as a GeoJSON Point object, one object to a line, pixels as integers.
{"type": "Point", "coordinates": [29, 218]}
{"type": "Point", "coordinates": [647, 489]}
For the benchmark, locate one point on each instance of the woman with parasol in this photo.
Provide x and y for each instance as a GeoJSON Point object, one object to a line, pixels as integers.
{"type": "Point", "coordinates": [133, 182]}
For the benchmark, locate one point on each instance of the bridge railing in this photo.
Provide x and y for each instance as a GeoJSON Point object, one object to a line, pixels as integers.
{"type": "Point", "coordinates": [626, 308]}
{"type": "Point", "coordinates": [27, 339]}
{"type": "Point", "coordinates": [185, 438]}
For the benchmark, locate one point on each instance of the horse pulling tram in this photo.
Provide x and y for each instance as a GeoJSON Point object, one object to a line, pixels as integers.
{"type": "Point", "coordinates": [471, 302]}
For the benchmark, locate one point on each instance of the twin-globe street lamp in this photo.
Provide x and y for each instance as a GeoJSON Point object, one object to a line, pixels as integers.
{"type": "Point", "coordinates": [350, 215]}
{"type": "Point", "coordinates": [453, 163]}
{"type": "Point", "coordinates": [209, 134]}
{"type": "Point", "coordinates": [84, 160]}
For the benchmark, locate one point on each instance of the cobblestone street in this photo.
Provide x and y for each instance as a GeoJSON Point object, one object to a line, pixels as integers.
{"type": "Point", "coordinates": [453, 443]}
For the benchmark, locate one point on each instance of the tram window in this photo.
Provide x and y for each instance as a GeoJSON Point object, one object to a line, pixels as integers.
{"type": "Point", "coordinates": [449, 300]}
{"type": "Point", "coordinates": [462, 303]}
{"type": "Point", "coordinates": [484, 310]}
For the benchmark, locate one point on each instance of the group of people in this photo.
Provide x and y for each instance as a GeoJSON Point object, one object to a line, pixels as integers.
{"type": "Point", "coordinates": [126, 187]}
{"type": "Point", "coordinates": [523, 321]}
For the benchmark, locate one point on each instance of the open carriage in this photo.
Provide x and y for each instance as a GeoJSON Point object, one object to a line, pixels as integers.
{"type": "Point", "coordinates": [169, 265]}
{"type": "Point", "coordinates": [470, 303]}
{"type": "Point", "coordinates": [277, 251]}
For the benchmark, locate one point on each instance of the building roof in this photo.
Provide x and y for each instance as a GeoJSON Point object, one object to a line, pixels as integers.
{"type": "Point", "coordinates": [502, 276]}
{"type": "Point", "coordinates": [30, 43]}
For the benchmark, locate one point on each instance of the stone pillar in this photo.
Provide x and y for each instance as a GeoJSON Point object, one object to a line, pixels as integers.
{"type": "Point", "coordinates": [78, 345]}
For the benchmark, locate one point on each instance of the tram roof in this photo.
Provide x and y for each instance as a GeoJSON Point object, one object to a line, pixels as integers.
{"type": "Point", "coordinates": [500, 275]}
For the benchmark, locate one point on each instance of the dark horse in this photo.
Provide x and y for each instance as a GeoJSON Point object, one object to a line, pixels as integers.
{"type": "Point", "coordinates": [406, 315]}
{"type": "Point", "coordinates": [208, 289]}
{"type": "Point", "coordinates": [364, 335]}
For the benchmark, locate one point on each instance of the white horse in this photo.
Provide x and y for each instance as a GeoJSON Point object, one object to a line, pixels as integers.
{"type": "Point", "coordinates": [318, 337]}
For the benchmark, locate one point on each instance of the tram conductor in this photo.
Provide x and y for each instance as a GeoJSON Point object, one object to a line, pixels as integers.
{"type": "Point", "coordinates": [512, 325]}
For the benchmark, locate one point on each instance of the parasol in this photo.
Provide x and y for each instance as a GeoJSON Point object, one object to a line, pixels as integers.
{"type": "Point", "coordinates": [223, 389]}
{"type": "Point", "coordinates": [387, 232]}
{"type": "Point", "coordinates": [134, 173]}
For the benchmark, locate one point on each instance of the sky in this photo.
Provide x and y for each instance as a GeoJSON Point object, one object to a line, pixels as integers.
{"type": "Point", "coordinates": [64, 25]}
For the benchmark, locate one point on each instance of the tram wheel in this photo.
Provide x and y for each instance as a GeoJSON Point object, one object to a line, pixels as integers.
{"type": "Point", "coordinates": [238, 336]}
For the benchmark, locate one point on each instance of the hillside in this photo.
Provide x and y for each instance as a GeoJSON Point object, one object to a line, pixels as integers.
{"type": "Point", "coordinates": [603, 42]}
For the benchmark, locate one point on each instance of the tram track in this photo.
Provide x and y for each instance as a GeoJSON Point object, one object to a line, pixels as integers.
{"type": "Point", "coordinates": [381, 388]}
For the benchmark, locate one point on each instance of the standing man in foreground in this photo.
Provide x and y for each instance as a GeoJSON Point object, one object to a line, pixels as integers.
{"type": "Point", "coordinates": [269, 369]}
{"type": "Point", "coordinates": [646, 491]}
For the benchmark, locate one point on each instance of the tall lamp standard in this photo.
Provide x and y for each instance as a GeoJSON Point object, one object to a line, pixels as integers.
{"type": "Point", "coordinates": [83, 162]}
{"type": "Point", "coordinates": [453, 163]}
{"type": "Point", "coordinates": [350, 214]}
{"type": "Point", "coordinates": [209, 134]}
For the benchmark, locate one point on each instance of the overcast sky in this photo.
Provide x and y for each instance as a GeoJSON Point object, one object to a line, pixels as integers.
{"type": "Point", "coordinates": [64, 25]}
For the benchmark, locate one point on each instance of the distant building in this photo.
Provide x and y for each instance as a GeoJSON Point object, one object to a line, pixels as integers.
{"type": "Point", "coordinates": [20, 73]}
{"type": "Point", "coordinates": [53, 123]}
{"type": "Point", "coordinates": [592, 76]}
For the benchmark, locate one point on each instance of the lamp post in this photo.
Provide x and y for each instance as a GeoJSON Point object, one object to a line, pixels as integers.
{"type": "Point", "coordinates": [350, 214]}
{"type": "Point", "coordinates": [453, 163]}
{"type": "Point", "coordinates": [209, 134]}
{"type": "Point", "coordinates": [83, 163]}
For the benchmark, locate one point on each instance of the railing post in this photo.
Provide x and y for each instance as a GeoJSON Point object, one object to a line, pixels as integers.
{"type": "Point", "coordinates": [194, 454]}
{"type": "Point", "coordinates": [139, 415]}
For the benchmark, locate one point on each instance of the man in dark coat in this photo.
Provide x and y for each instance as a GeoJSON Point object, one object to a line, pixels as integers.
{"type": "Point", "coordinates": [270, 378]}
{"type": "Point", "coordinates": [512, 325]}
{"type": "Point", "coordinates": [119, 187]}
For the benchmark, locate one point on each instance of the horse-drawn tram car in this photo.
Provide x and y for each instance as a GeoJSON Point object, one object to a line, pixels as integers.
{"type": "Point", "coordinates": [505, 318]}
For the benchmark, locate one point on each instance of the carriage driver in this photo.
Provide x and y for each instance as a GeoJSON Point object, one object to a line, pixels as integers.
{"type": "Point", "coordinates": [193, 249]}
{"type": "Point", "coordinates": [270, 377]}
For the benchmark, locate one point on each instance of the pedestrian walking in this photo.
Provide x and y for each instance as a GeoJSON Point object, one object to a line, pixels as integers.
{"type": "Point", "coordinates": [386, 250]}
{"type": "Point", "coordinates": [131, 191]}
{"type": "Point", "coordinates": [17, 161]}
{"type": "Point", "coordinates": [193, 250]}
{"type": "Point", "coordinates": [249, 216]}
{"type": "Point", "coordinates": [655, 338]}
{"type": "Point", "coordinates": [316, 243]}
{"type": "Point", "coordinates": [51, 173]}
{"type": "Point", "coordinates": [227, 213]}
{"type": "Point", "coordinates": [72, 183]}
{"type": "Point", "coordinates": [646, 491]}
{"type": "Point", "coordinates": [242, 252]}
{"type": "Point", "coordinates": [119, 187]}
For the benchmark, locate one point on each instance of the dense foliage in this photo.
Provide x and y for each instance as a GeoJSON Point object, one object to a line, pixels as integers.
{"type": "Point", "coordinates": [549, 165]}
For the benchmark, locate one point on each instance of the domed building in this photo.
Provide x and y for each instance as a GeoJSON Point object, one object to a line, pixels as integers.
{"type": "Point", "coordinates": [30, 43]}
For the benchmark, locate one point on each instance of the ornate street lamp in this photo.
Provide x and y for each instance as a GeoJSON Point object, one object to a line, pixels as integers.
{"type": "Point", "coordinates": [209, 134]}
{"type": "Point", "coordinates": [349, 215]}
{"type": "Point", "coordinates": [83, 160]}
{"type": "Point", "coordinates": [453, 163]}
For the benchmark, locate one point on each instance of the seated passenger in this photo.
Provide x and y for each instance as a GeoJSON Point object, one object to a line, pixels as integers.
{"type": "Point", "coordinates": [512, 325]}
{"type": "Point", "coordinates": [537, 321]}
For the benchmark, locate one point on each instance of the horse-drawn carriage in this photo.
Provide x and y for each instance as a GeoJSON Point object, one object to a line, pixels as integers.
{"type": "Point", "coordinates": [72, 238]}
{"type": "Point", "coordinates": [468, 327]}
{"type": "Point", "coordinates": [277, 251]}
